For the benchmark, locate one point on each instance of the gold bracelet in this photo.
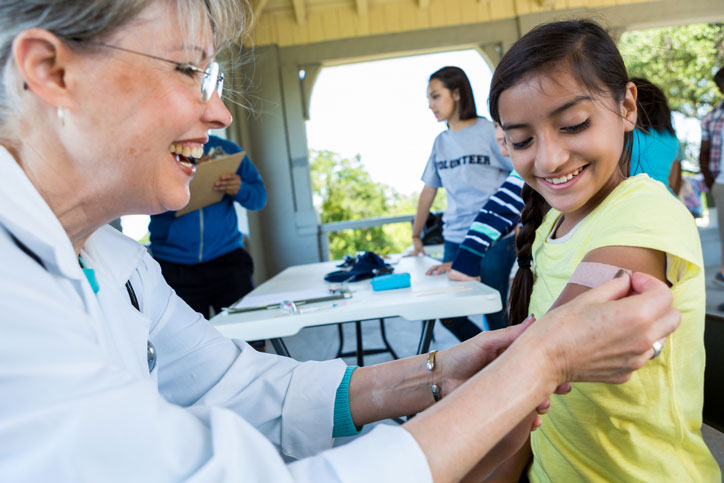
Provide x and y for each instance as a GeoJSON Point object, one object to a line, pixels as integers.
{"type": "Point", "coordinates": [430, 365]}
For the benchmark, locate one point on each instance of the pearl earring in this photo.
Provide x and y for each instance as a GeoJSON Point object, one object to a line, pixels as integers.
{"type": "Point", "coordinates": [61, 115]}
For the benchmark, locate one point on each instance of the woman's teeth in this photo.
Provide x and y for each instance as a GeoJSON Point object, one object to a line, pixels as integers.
{"type": "Point", "coordinates": [187, 151]}
{"type": "Point", "coordinates": [565, 178]}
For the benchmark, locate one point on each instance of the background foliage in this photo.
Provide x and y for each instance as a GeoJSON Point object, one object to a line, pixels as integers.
{"type": "Point", "coordinates": [681, 60]}
{"type": "Point", "coordinates": [344, 190]}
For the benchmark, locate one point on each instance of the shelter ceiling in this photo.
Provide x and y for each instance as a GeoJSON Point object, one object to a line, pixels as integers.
{"type": "Point", "coordinates": [297, 22]}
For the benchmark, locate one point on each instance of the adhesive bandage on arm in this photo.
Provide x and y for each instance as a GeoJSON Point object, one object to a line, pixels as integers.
{"type": "Point", "coordinates": [593, 274]}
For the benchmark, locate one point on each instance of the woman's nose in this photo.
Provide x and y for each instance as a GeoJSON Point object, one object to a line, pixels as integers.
{"type": "Point", "coordinates": [216, 115]}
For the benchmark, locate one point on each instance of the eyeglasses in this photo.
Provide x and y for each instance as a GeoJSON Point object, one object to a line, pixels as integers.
{"type": "Point", "coordinates": [211, 78]}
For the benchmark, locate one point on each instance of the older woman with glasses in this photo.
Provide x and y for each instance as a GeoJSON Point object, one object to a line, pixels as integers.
{"type": "Point", "coordinates": [108, 376]}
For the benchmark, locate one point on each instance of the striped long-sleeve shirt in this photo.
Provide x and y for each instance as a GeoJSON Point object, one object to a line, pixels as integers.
{"type": "Point", "coordinates": [495, 219]}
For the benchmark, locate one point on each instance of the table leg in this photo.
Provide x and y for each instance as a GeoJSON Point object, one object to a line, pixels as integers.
{"type": "Point", "coordinates": [426, 336]}
{"type": "Point", "coordinates": [280, 347]}
{"type": "Point", "coordinates": [341, 341]}
{"type": "Point", "coordinates": [385, 341]}
{"type": "Point", "coordinates": [360, 350]}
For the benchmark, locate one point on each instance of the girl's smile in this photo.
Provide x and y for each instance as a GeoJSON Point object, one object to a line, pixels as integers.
{"type": "Point", "coordinates": [565, 180]}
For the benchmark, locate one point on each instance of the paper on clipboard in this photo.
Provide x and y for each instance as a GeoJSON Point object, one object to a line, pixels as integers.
{"type": "Point", "coordinates": [207, 173]}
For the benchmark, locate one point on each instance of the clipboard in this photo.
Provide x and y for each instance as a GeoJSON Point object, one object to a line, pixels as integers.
{"type": "Point", "coordinates": [207, 173]}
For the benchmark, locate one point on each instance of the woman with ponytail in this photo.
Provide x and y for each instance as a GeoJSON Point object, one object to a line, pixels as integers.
{"type": "Point", "coordinates": [465, 160]}
{"type": "Point", "coordinates": [568, 109]}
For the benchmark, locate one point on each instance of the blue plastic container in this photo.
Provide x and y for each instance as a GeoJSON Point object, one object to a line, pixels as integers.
{"type": "Point", "coordinates": [390, 281]}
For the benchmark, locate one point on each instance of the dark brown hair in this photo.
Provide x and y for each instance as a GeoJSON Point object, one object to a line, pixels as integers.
{"type": "Point", "coordinates": [719, 79]}
{"type": "Point", "coordinates": [653, 108]}
{"type": "Point", "coordinates": [454, 78]}
{"type": "Point", "coordinates": [591, 56]}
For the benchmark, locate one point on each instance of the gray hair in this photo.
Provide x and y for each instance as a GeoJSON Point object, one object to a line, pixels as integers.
{"type": "Point", "coordinates": [77, 21]}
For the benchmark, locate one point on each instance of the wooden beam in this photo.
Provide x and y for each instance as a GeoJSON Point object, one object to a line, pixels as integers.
{"type": "Point", "coordinates": [546, 3]}
{"type": "Point", "coordinates": [300, 11]}
{"type": "Point", "coordinates": [423, 3]}
{"type": "Point", "coordinates": [362, 7]}
{"type": "Point", "coordinates": [256, 10]}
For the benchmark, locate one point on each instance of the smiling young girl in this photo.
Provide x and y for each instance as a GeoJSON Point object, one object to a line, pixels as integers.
{"type": "Point", "coordinates": [568, 110]}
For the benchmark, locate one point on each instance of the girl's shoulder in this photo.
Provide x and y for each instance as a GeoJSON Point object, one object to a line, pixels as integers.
{"type": "Point", "coordinates": [481, 130]}
{"type": "Point", "coordinates": [481, 125]}
{"type": "Point", "coordinates": [642, 212]}
{"type": "Point", "coordinates": [642, 194]}
{"type": "Point", "coordinates": [638, 207]}
{"type": "Point", "coordinates": [643, 202]}
{"type": "Point", "coordinates": [485, 125]}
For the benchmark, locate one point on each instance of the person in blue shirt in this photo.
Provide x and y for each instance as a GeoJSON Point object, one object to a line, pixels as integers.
{"type": "Point", "coordinates": [655, 145]}
{"type": "Point", "coordinates": [201, 253]}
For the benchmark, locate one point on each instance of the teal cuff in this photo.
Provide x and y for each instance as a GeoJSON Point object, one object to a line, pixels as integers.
{"type": "Point", "coordinates": [343, 424]}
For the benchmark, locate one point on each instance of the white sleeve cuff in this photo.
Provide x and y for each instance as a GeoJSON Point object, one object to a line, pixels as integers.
{"type": "Point", "coordinates": [308, 411]}
{"type": "Point", "coordinates": [388, 453]}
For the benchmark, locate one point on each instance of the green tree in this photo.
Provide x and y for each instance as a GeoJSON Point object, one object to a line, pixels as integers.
{"type": "Point", "coordinates": [680, 60]}
{"type": "Point", "coordinates": [344, 191]}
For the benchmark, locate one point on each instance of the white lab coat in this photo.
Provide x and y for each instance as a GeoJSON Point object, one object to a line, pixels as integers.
{"type": "Point", "coordinates": [78, 404]}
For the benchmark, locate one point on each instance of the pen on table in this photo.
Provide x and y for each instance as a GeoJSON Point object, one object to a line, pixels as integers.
{"type": "Point", "coordinates": [335, 296]}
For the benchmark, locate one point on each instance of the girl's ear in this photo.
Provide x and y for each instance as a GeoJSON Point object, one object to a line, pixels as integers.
{"type": "Point", "coordinates": [628, 107]}
{"type": "Point", "coordinates": [456, 95]}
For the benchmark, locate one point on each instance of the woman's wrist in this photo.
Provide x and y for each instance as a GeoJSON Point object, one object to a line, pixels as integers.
{"type": "Point", "coordinates": [543, 351]}
{"type": "Point", "coordinates": [392, 389]}
{"type": "Point", "coordinates": [436, 377]}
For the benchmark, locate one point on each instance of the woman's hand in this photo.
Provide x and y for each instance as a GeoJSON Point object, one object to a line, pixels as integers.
{"type": "Point", "coordinates": [228, 183]}
{"type": "Point", "coordinates": [439, 269]}
{"type": "Point", "coordinates": [466, 359]}
{"type": "Point", "coordinates": [581, 350]}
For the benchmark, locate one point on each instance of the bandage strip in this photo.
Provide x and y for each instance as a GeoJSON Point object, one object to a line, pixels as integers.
{"type": "Point", "coordinates": [593, 274]}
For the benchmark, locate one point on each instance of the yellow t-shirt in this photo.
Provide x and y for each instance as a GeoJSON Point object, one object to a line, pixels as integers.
{"type": "Point", "coordinates": [648, 429]}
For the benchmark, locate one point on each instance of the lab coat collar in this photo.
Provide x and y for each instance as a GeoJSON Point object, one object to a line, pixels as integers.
{"type": "Point", "coordinates": [127, 253]}
{"type": "Point", "coordinates": [26, 215]}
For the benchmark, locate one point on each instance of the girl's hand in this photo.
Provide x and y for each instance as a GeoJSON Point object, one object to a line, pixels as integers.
{"type": "Point", "coordinates": [456, 276]}
{"type": "Point", "coordinates": [417, 247]}
{"type": "Point", "coordinates": [228, 183]}
{"type": "Point", "coordinates": [461, 362]}
{"type": "Point", "coordinates": [545, 406]}
{"type": "Point", "coordinates": [439, 269]}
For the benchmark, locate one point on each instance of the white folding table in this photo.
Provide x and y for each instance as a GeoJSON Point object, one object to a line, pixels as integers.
{"type": "Point", "coordinates": [428, 298]}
